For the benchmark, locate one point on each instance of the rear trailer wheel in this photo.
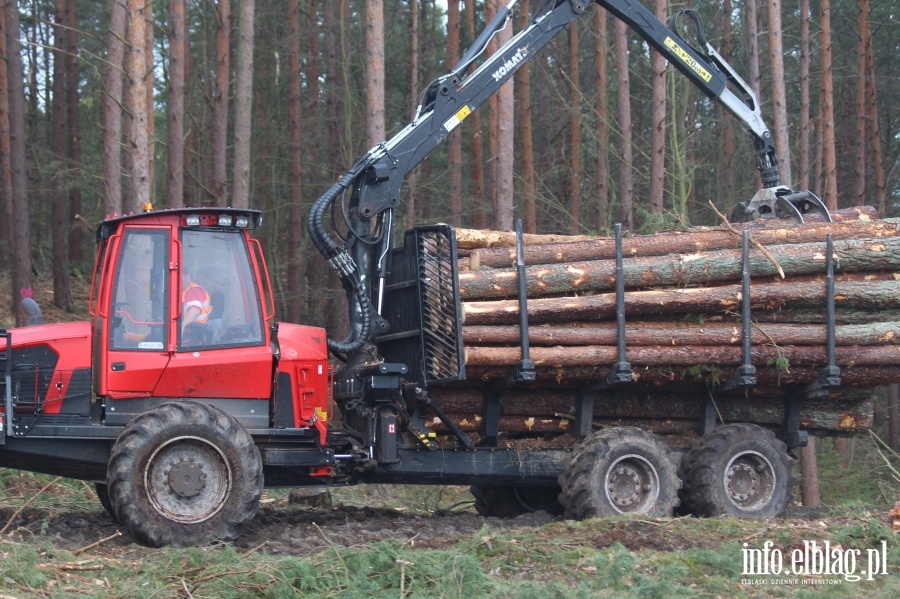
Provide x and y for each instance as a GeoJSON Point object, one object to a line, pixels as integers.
{"type": "Point", "coordinates": [621, 470]}
{"type": "Point", "coordinates": [184, 474]}
{"type": "Point", "coordinates": [738, 470]}
{"type": "Point", "coordinates": [509, 502]}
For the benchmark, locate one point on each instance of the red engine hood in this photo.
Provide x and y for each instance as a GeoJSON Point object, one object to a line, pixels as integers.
{"type": "Point", "coordinates": [71, 341]}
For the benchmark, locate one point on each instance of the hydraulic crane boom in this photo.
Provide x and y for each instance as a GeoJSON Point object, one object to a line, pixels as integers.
{"type": "Point", "coordinates": [375, 179]}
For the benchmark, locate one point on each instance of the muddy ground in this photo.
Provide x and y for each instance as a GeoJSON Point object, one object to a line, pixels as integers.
{"type": "Point", "coordinates": [283, 528]}
{"type": "Point", "coordinates": [279, 527]}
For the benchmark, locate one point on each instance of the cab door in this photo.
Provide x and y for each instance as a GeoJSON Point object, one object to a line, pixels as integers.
{"type": "Point", "coordinates": [229, 355]}
{"type": "Point", "coordinates": [137, 326]}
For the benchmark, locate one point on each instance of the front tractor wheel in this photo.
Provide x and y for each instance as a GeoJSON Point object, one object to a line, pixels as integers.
{"type": "Point", "coordinates": [103, 496]}
{"type": "Point", "coordinates": [184, 474]}
{"type": "Point", "coordinates": [738, 470]}
{"type": "Point", "coordinates": [621, 470]}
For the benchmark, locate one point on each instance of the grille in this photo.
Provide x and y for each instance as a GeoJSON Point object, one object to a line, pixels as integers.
{"type": "Point", "coordinates": [421, 304]}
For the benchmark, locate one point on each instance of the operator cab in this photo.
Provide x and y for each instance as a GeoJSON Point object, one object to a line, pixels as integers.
{"type": "Point", "coordinates": [180, 300]}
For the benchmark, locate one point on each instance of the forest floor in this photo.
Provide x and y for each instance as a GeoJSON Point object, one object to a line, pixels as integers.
{"type": "Point", "coordinates": [384, 541]}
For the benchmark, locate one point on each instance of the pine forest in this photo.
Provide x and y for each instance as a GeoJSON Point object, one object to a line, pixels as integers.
{"type": "Point", "coordinates": [108, 106]}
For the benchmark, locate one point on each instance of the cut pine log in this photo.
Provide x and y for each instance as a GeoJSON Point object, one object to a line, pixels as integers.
{"type": "Point", "coordinates": [470, 239]}
{"type": "Point", "coordinates": [847, 410]}
{"type": "Point", "coordinates": [702, 268]}
{"type": "Point", "coordinates": [700, 376]}
{"type": "Point", "coordinates": [872, 296]}
{"type": "Point", "coordinates": [467, 239]}
{"type": "Point", "coordinates": [680, 333]}
{"type": "Point", "coordinates": [684, 242]}
{"type": "Point", "coordinates": [686, 356]}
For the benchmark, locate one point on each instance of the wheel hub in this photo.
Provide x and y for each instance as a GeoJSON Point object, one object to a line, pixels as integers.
{"type": "Point", "coordinates": [632, 484]}
{"type": "Point", "coordinates": [625, 486]}
{"type": "Point", "coordinates": [749, 480]}
{"type": "Point", "coordinates": [187, 479]}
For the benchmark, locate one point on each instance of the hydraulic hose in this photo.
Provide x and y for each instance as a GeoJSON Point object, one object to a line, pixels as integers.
{"type": "Point", "coordinates": [341, 262]}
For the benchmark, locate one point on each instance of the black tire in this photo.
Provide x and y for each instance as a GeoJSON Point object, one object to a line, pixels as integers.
{"type": "Point", "coordinates": [738, 470]}
{"type": "Point", "coordinates": [103, 496]}
{"type": "Point", "coordinates": [616, 471]}
{"type": "Point", "coordinates": [184, 474]}
{"type": "Point", "coordinates": [509, 502]}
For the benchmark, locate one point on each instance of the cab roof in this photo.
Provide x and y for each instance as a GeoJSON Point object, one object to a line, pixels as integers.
{"type": "Point", "coordinates": [206, 218]}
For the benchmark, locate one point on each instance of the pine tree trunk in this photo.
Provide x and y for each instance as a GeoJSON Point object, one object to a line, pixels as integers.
{"type": "Point", "coordinates": [874, 129]}
{"type": "Point", "coordinates": [175, 133]}
{"type": "Point", "coordinates": [626, 174]}
{"type": "Point", "coordinates": [73, 101]}
{"type": "Point", "coordinates": [136, 105]}
{"type": "Point", "coordinates": [574, 132]}
{"type": "Point", "coordinates": [601, 176]}
{"type": "Point", "coordinates": [20, 265]}
{"type": "Point", "coordinates": [454, 150]}
{"type": "Point", "coordinates": [805, 124]}
{"type": "Point", "coordinates": [219, 130]}
{"type": "Point", "coordinates": [658, 123]}
{"type": "Point", "coordinates": [336, 19]}
{"type": "Point", "coordinates": [476, 150]}
{"type": "Point", "coordinates": [810, 494]}
{"type": "Point", "coordinates": [826, 101]}
{"type": "Point", "coordinates": [727, 172]}
{"type": "Point", "coordinates": [112, 108]}
{"type": "Point", "coordinates": [149, 98]}
{"type": "Point", "coordinates": [374, 72]}
{"type": "Point", "coordinates": [525, 131]}
{"type": "Point", "coordinates": [6, 226]}
{"type": "Point", "coordinates": [779, 94]}
{"type": "Point", "coordinates": [859, 188]}
{"type": "Point", "coordinates": [243, 105]}
{"type": "Point", "coordinates": [58, 140]}
{"type": "Point", "coordinates": [894, 416]}
{"type": "Point", "coordinates": [501, 136]}
{"type": "Point", "coordinates": [295, 168]}
{"type": "Point", "coordinates": [454, 140]}
{"type": "Point", "coordinates": [751, 30]}
{"type": "Point", "coordinates": [844, 447]}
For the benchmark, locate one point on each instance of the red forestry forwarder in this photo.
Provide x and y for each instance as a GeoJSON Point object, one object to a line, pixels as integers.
{"type": "Point", "coordinates": [184, 396]}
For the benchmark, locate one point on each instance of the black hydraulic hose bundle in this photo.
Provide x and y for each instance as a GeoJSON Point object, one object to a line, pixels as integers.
{"type": "Point", "coordinates": [342, 263]}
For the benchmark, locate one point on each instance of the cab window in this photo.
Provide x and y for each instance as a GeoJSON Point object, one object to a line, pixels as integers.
{"type": "Point", "coordinates": [139, 297]}
{"type": "Point", "coordinates": [219, 295]}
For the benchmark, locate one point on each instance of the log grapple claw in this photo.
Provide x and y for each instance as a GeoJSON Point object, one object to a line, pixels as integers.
{"type": "Point", "coordinates": [779, 202]}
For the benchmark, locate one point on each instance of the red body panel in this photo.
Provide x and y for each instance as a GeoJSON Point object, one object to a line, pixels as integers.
{"type": "Point", "coordinates": [304, 356]}
{"type": "Point", "coordinates": [71, 342]}
{"type": "Point", "coordinates": [232, 373]}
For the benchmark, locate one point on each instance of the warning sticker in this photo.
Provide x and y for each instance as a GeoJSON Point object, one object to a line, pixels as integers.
{"type": "Point", "coordinates": [688, 59]}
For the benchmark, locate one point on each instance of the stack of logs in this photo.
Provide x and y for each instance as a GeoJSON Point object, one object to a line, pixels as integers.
{"type": "Point", "coordinates": [683, 315]}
